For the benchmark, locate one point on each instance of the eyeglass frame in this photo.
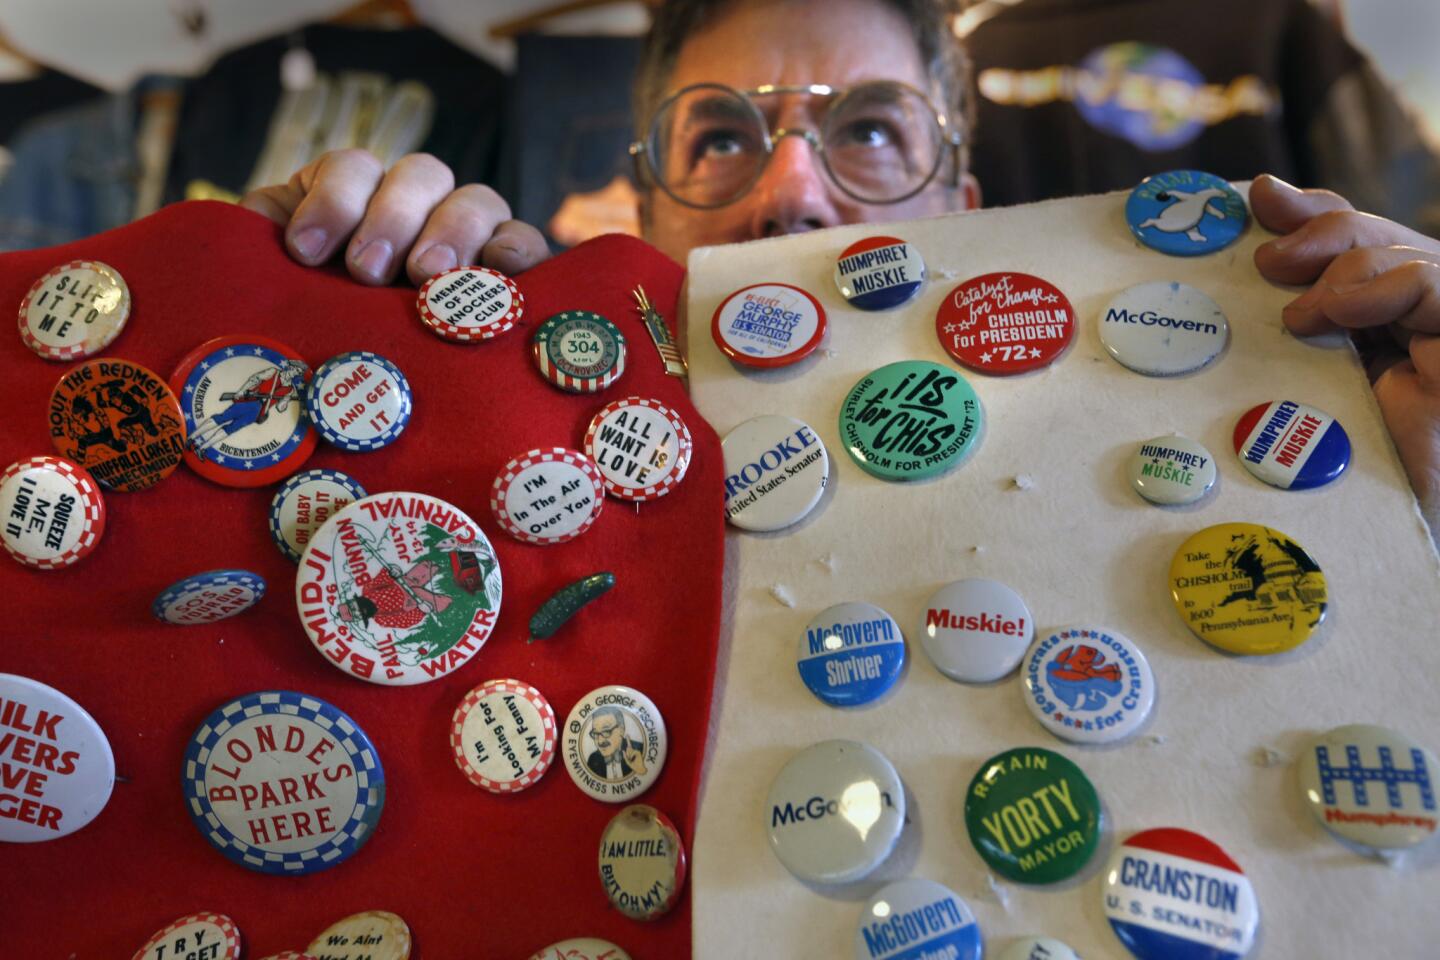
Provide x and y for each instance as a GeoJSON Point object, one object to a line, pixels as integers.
{"type": "Point", "coordinates": [640, 154]}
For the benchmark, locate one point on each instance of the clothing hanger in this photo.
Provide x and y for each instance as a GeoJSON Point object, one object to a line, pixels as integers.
{"type": "Point", "coordinates": [510, 29]}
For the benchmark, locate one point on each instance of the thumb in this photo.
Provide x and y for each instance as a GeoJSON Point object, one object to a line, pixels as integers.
{"type": "Point", "coordinates": [1282, 208]}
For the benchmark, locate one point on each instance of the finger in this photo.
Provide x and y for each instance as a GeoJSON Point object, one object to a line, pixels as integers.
{"type": "Point", "coordinates": [1425, 355]}
{"type": "Point", "coordinates": [1282, 208]}
{"type": "Point", "coordinates": [1301, 256]}
{"type": "Point", "coordinates": [334, 191]}
{"type": "Point", "coordinates": [1306, 316]}
{"type": "Point", "coordinates": [1407, 296]}
{"type": "Point", "coordinates": [277, 202]}
{"type": "Point", "coordinates": [408, 194]}
{"type": "Point", "coordinates": [515, 248]}
{"type": "Point", "coordinates": [456, 230]}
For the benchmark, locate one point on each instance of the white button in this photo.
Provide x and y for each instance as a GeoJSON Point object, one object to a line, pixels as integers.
{"type": "Point", "coordinates": [582, 948]}
{"type": "Point", "coordinates": [914, 919]}
{"type": "Point", "coordinates": [976, 631]}
{"type": "Point", "coordinates": [615, 743]}
{"type": "Point", "coordinates": [1087, 685]}
{"type": "Point", "coordinates": [642, 862]}
{"type": "Point", "coordinates": [776, 469]}
{"type": "Point", "coordinates": [1172, 470]}
{"type": "Point", "coordinates": [1163, 329]}
{"type": "Point", "coordinates": [383, 935]}
{"type": "Point", "coordinates": [547, 496]}
{"type": "Point", "coordinates": [1037, 948]}
{"type": "Point", "coordinates": [1373, 786]}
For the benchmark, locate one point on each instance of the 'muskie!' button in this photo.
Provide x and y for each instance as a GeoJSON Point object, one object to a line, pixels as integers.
{"type": "Point", "coordinates": [851, 653]}
{"type": "Point", "coordinates": [916, 918]}
{"type": "Point", "coordinates": [1032, 815]}
{"type": "Point", "coordinates": [976, 631]}
{"type": "Point", "coordinates": [1292, 446]}
{"type": "Point", "coordinates": [878, 273]}
{"type": "Point", "coordinates": [776, 469]}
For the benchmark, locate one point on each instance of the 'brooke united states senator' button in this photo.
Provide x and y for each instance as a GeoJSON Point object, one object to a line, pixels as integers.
{"type": "Point", "coordinates": [976, 631]}
{"type": "Point", "coordinates": [1292, 446]}
{"type": "Point", "coordinates": [1186, 213]}
{"type": "Point", "coordinates": [1372, 786]}
{"type": "Point", "coordinates": [878, 273]}
{"type": "Point", "coordinates": [910, 420]}
{"type": "Point", "coordinates": [1163, 329]}
{"type": "Point", "coordinates": [1172, 470]}
{"type": "Point", "coordinates": [916, 918]}
{"type": "Point", "coordinates": [851, 653]}
{"type": "Point", "coordinates": [1088, 685]}
{"type": "Point", "coordinates": [776, 469]}
{"type": "Point", "coordinates": [1032, 815]}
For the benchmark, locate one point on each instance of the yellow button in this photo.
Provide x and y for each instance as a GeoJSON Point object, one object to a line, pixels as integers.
{"type": "Point", "coordinates": [1248, 589]}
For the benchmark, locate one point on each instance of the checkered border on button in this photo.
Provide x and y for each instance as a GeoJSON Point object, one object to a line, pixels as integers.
{"type": "Point", "coordinates": [333, 434]}
{"type": "Point", "coordinates": [547, 748]}
{"type": "Point", "coordinates": [500, 491]}
{"type": "Point", "coordinates": [226, 925]}
{"type": "Point", "coordinates": [77, 351]}
{"type": "Point", "coordinates": [204, 581]}
{"type": "Point", "coordinates": [291, 487]}
{"type": "Point", "coordinates": [474, 334]}
{"type": "Point", "coordinates": [674, 475]}
{"type": "Point", "coordinates": [91, 501]}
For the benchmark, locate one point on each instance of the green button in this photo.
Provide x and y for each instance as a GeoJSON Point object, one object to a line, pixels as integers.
{"type": "Point", "coordinates": [1033, 816]}
{"type": "Point", "coordinates": [910, 420]}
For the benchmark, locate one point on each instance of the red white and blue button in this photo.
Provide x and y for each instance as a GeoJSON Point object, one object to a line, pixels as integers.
{"type": "Point", "coordinates": [1291, 445]}
{"type": "Point", "coordinates": [878, 273]}
{"type": "Point", "coordinates": [915, 919]}
{"type": "Point", "coordinates": [1087, 685]}
{"type": "Point", "coordinates": [359, 401]}
{"type": "Point", "coordinates": [208, 597]}
{"type": "Point", "coordinates": [768, 325]}
{"type": "Point", "coordinates": [850, 654]}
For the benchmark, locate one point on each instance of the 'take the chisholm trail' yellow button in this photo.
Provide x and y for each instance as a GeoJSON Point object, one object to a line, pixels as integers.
{"type": "Point", "coordinates": [1248, 589]}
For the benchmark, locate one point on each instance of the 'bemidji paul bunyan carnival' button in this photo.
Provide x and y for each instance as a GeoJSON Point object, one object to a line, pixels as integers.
{"type": "Point", "coordinates": [1174, 895]}
{"type": "Point", "coordinates": [579, 351]}
{"type": "Point", "coordinates": [503, 736]}
{"type": "Point", "coordinates": [1088, 685]}
{"type": "Point", "coordinates": [1172, 470]}
{"type": "Point", "coordinates": [878, 273]}
{"type": "Point", "coordinates": [1372, 786]}
{"type": "Point", "coordinates": [547, 496]}
{"type": "Point", "coordinates": [768, 325]}
{"type": "Point", "coordinates": [380, 934]}
{"type": "Point", "coordinates": [615, 743]}
{"type": "Point", "coordinates": [303, 504]}
{"type": "Point", "coordinates": [359, 401]}
{"type": "Point", "coordinates": [243, 399]}
{"type": "Point", "coordinates": [58, 766]}
{"type": "Point", "coordinates": [1005, 323]}
{"type": "Point", "coordinates": [1033, 816]}
{"type": "Point", "coordinates": [75, 310]}
{"type": "Point", "coordinates": [851, 653]}
{"type": "Point", "coordinates": [1038, 948]}
{"type": "Point", "coordinates": [910, 420]}
{"type": "Point", "coordinates": [1248, 589]}
{"type": "Point", "coordinates": [642, 862]}
{"type": "Point", "coordinates": [470, 304]}
{"type": "Point", "coordinates": [208, 597]}
{"type": "Point", "coordinates": [1186, 213]}
{"type": "Point", "coordinates": [283, 783]}
{"type": "Point", "coordinates": [582, 948]}
{"type": "Point", "coordinates": [399, 588]}
{"type": "Point", "coordinates": [1164, 328]}
{"type": "Point", "coordinates": [641, 447]}
{"type": "Point", "coordinates": [51, 512]}
{"type": "Point", "coordinates": [835, 811]}
{"type": "Point", "coordinates": [976, 631]}
{"type": "Point", "coordinates": [776, 470]}
{"type": "Point", "coordinates": [915, 918]}
{"type": "Point", "coordinates": [203, 936]}
{"type": "Point", "coordinates": [119, 421]}
{"type": "Point", "coordinates": [1292, 446]}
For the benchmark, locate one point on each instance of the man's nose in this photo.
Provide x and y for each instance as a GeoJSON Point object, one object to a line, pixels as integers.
{"type": "Point", "coordinates": [792, 194]}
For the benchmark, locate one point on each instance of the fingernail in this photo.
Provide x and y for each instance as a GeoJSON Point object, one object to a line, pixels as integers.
{"type": "Point", "coordinates": [1305, 299]}
{"type": "Point", "coordinates": [373, 258]}
{"type": "Point", "coordinates": [1281, 244]}
{"type": "Point", "coordinates": [1283, 185]}
{"type": "Point", "coordinates": [438, 258]}
{"type": "Point", "coordinates": [309, 242]}
{"type": "Point", "coordinates": [1344, 288]}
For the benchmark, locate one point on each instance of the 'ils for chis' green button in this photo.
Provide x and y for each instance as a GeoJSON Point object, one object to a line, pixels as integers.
{"type": "Point", "coordinates": [910, 420]}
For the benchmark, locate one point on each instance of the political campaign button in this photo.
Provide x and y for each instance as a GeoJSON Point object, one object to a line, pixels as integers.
{"type": "Point", "coordinates": [582, 948]}
{"type": "Point", "coordinates": [1163, 329]}
{"type": "Point", "coordinates": [1185, 213]}
{"type": "Point", "coordinates": [851, 653]}
{"type": "Point", "coordinates": [1172, 470]}
{"type": "Point", "coordinates": [1292, 446]}
{"type": "Point", "coordinates": [283, 783]}
{"type": "Point", "coordinates": [916, 918]}
{"type": "Point", "coordinates": [1174, 895]}
{"type": "Point", "coordinates": [878, 273]}
{"type": "Point", "coordinates": [1372, 786]}
{"type": "Point", "coordinates": [119, 421]}
{"type": "Point", "coordinates": [359, 401]}
{"type": "Point", "coordinates": [547, 496]}
{"type": "Point", "coordinates": [910, 420]}
{"type": "Point", "coordinates": [1037, 948]}
{"type": "Point", "coordinates": [470, 304]}
{"type": "Point", "coordinates": [208, 597]}
{"type": "Point", "coordinates": [303, 504]}
{"type": "Point", "coordinates": [75, 310]}
{"type": "Point", "coordinates": [381, 935]}
{"type": "Point", "coordinates": [243, 399]}
{"type": "Point", "coordinates": [768, 325]}
{"type": "Point", "coordinates": [212, 936]}
{"type": "Point", "coordinates": [579, 351]}
{"type": "Point", "coordinates": [835, 811]}
{"type": "Point", "coordinates": [976, 631]}
{"type": "Point", "coordinates": [1088, 685]}
{"type": "Point", "coordinates": [57, 762]}
{"type": "Point", "coordinates": [399, 588]}
{"type": "Point", "coordinates": [1004, 323]}
{"type": "Point", "coordinates": [1033, 816]}
{"type": "Point", "coordinates": [51, 512]}
{"type": "Point", "coordinates": [615, 743]}
{"type": "Point", "coordinates": [776, 469]}
{"type": "Point", "coordinates": [1248, 589]}
{"type": "Point", "coordinates": [641, 447]}
{"type": "Point", "coordinates": [642, 862]}
{"type": "Point", "coordinates": [503, 736]}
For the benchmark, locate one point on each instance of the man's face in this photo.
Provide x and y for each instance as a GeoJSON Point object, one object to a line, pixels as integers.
{"type": "Point", "coordinates": [835, 42]}
{"type": "Point", "coordinates": [608, 734]}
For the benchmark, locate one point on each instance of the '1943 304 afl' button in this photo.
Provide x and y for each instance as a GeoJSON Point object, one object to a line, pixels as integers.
{"type": "Point", "coordinates": [579, 351]}
{"type": "Point", "coordinates": [547, 496]}
{"type": "Point", "coordinates": [1004, 323]}
{"type": "Point", "coordinates": [916, 918]}
{"type": "Point", "coordinates": [642, 862]}
{"type": "Point", "coordinates": [119, 421]}
{"type": "Point", "coordinates": [303, 504]}
{"type": "Point", "coordinates": [615, 743]}
{"type": "Point", "coordinates": [851, 654]}
{"type": "Point", "coordinates": [208, 597]}
{"type": "Point", "coordinates": [1186, 213]}
{"type": "Point", "coordinates": [1372, 786]}
{"type": "Point", "coordinates": [1088, 685]}
{"type": "Point", "coordinates": [359, 401]}
{"type": "Point", "coordinates": [1033, 816]}
{"type": "Point", "coordinates": [768, 325]}
{"type": "Point", "coordinates": [470, 304]}
{"type": "Point", "coordinates": [1292, 446]}
{"type": "Point", "coordinates": [379, 935]}
{"type": "Point", "coordinates": [641, 447]}
{"type": "Point", "coordinates": [503, 736]}
{"type": "Point", "coordinates": [212, 936]}
{"type": "Point", "coordinates": [776, 469]}
{"type": "Point", "coordinates": [51, 512]}
{"type": "Point", "coordinates": [910, 420]}
{"type": "Point", "coordinates": [976, 631]}
{"type": "Point", "coordinates": [75, 310]}
{"type": "Point", "coordinates": [878, 273]}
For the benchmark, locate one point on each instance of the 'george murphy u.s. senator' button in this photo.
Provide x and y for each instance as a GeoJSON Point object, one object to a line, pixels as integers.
{"type": "Point", "coordinates": [1033, 816]}
{"type": "Point", "coordinates": [915, 918]}
{"type": "Point", "coordinates": [768, 325]}
{"type": "Point", "coordinates": [1292, 446]}
{"type": "Point", "coordinates": [878, 273]}
{"type": "Point", "coordinates": [1372, 786]}
{"type": "Point", "coordinates": [976, 631]}
{"type": "Point", "coordinates": [1088, 685]}
{"type": "Point", "coordinates": [776, 469]}
{"type": "Point", "coordinates": [1163, 328]}
{"type": "Point", "coordinates": [910, 420]}
{"type": "Point", "coordinates": [851, 653]}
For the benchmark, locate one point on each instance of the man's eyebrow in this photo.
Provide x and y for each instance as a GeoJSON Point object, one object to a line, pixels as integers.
{"type": "Point", "coordinates": [716, 107]}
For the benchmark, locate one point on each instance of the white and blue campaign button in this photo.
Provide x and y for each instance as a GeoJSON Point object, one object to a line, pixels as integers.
{"type": "Point", "coordinates": [1163, 329]}
{"type": "Point", "coordinates": [1172, 470]}
{"type": "Point", "coordinates": [1038, 948]}
{"type": "Point", "coordinates": [878, 273]}
{"type": "Point", "coordinates": [1087, 685]}
{"type": "Point", "coordinates": [303, 504]}
{"type": "Point", "coordinates": [835, 812]}
{"type": "Point", "coordinates": [1172, 894]}
{"type": "Point", "coordinates": [851, 653]}
{"type": "Point", "coordinates": [1186, 213]}
{"type": "Point", "coordinates": [1291, 445]}
{"type": "Point", "coordinates": [359, 401]}
{"type": "Point", "coordinates": [976, 631]}
{"type": "Point", "coordinates": [768, 325]}
{"type": "Point", "coordinates": [1372, 786]}
{"type": "Point", "coordinates": [917, 919]}
{"type": "Point", "coordinates": [208, 597]}
{"type": "Point", "coordinates": [776, 469]}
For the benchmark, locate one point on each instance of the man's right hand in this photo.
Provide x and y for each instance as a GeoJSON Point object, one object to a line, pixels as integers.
{"type": "Point", "coordinates": [412, 214]}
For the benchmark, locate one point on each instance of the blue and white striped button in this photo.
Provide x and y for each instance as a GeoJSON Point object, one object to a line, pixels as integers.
{"type": "Point", "coordinates": [359, 401]}
{"type": "Point", "coordinates": [208, 597]}
{"type": "Point", "coordinates": [915, 919]}
{"type": "Point", "coordinates": [851, 653]}
{"type": "Point", "coordinates": [1291, 445]}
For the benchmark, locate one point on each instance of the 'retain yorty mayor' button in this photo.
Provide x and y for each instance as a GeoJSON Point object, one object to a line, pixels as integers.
{"type": "Point", "coordinates": [1033, 816]}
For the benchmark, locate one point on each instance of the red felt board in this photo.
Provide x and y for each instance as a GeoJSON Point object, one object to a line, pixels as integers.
{"type": "Point", "coordinates": [475, 875]}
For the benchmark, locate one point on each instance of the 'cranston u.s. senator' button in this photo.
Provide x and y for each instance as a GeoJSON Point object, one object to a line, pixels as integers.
{"type": "Point", "coordinates": [1372, 786]}
{"type": "Point", "coordinates": [851, 653]}
{"type": "Point", "coordinates": [1033, 816]}
{"type": "Point", "coordinates": [878, 273]}
{"type": "Point", "coordinates": [614, 743]}
{"type": "Point", "coordinates": [976, 631]}
{"type": "Point", "coordinates": [1292, 446]}
{"type": "Point", "coordinates": [1172, 470]}
{"type": "Point", "coordinates": [768, 325]}
{"type": "Point", "coordinates": [835, 811]}
{"type": "Point", "coordinates": [1185, 213]}
{"type": "Point", "coordinates": [916, 918]}
{"type": "Point", "coordinates": [1088, 685]}
{"type": "Point", "coordinates": [1163, 329]}
{"type": "Point", "coordinates": [1004, 323]}
{"type": "Point", "coordinates": [910, 420]}
{"type": "Point", "coordinates": [776, 469]}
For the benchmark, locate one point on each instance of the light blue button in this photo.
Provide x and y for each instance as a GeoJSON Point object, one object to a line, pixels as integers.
{"type": "Point", "coordinates": [851, 653]}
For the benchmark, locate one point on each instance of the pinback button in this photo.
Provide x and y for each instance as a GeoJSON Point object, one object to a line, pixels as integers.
{"type": "Point", "coordinates": [290, 955]}
{"type": "Point", "coordinates": [1292, 446]}
{"type": "Point", "coordinates": [1038, 948]}
{"type": "Point", "coordinates": [1163, 329]}
{"type": "Point", "coordinates": [910, 420]}
{"type": "Point", "coordinates": [776, 469]}
{"type": "Point", "coordinates": [75, 310]}
{"type": "Point", "coordinates": [1033, 816]}
{"type": "Point", "coordinates": [1087, 685]}
{"type": "Point", "coordinates": [768, 325]}
{"type": "Point", "coordinates": [615, 743]}
{"type": "Point", "coordinates": [642, 862]}
{"type": "Point", "coordinates": [641, 447]}
{"type": "Point", "coordinates": [119, 421]}
{"type": "Point", "coordinates": [579, 351]}
{"type": "Point", "coordinates": [212, 935]}
{"type": "Point", "coordinates": [976, 631]}
{"type": "Point", "coordinates": [470, 304]}
{"type": "Point", "coordinates": [415, 598]}
{"type": "Point", "coordinates": [1171, 894]}
{"type": "Point", "coordinates": [915, 918]}
{"type": "Point", "coordinates": [503, 736]}
{"type": "Point", "coordinates": [39, 530]}
{"type": "Point", "coordinates": [381, 934]}
{"type": "Point", "coordinates": [878, 273]}
{"type": "Point", "coordinates": [304, 502]}
{"type": "Point", "coordinates": [68, 792]}
{"type": "Point", "coordinates": [1004, 323]}
{"type": "Point", "coordinates": [1372, 786]}
{"type": "Point", "coordinates": [359, 401]}
{"type": "Point", "coordinates": [1185, 213]}
{"type": "Point", "coordinates": [850, 654]}
{"type": "Point", "coordinates": [208, 597]}
{"type": "Point", "coordinates": [1248, 589]}
{"type": "Point", "coordinates": [582, 948]}
{"type": "Point", "coordinates": [1172, 470]}
{"type": "Point", "coordinates": [547, 496]}
{"type": "Point", "coordinates": [835, 812]}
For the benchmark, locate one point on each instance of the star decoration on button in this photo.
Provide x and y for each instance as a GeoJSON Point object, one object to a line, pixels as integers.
{"type": "Point", "coordinates": [985, 357]}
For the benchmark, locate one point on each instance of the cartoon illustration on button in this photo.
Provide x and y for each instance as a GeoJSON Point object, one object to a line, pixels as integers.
{"type": "Point", "coordinates": [1081, 679]}
{"type": "Point", "coordinates": [1275, 576]}
{"type": "Point", "coordinates": [92, 420]}
{"type": "Point", "coordinates": [1186, 212]}
{"type": "Point", "coordinates": [270, 389]}
{"type": "Point", "coordinates": [616, 757]}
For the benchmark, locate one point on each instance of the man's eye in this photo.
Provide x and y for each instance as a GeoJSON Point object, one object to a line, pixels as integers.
{"type": "Point", "coordinates": [869, 133]}
{"type": "Point", "coordinates": [719, 144]}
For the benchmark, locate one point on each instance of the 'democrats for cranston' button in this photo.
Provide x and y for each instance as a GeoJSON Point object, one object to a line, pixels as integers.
{"type": "Point", "coordinates": [1292, 446]}
{"type": "Point", "coordinates": [1172, 470]}
{"type": "Point", "coordinates": [1004, 323]}
{"type": "Point", "coordinates": [1372, 786]}
{"type": "Point", "coordinates": [976, 631]}
{"type": "Point", "coordinates": [1163, 329]}
{"type": "Point", "coordinates": [878, 273]}
{"type": "Point", "coordinates": [916, 918]}
{"type": "Point", "coordinates": [615, 743]}
{"type": "Point", "coordinates": [1038, 948]}
{"type": "Point", "coordinates": [1033, 816]}
{"type": "Point", "coordinates": [776, 469]}
{"type": "Point", "coordinates": [205, 936]}
{"type": "Point", "coordinates": [910, 420]}
{"type": "Point", "coordinates": [1088, 685]}
{"type": "Point", "coordinates": [59, 770]}
{"type": "Point", "coordinates": [835, 811]}
{"type": "Point", "coordinates": [642, 862]}
{"type": "Point", "coordinates": [768, 325]}
{"type": "Point", "coordinates": [851, 653]}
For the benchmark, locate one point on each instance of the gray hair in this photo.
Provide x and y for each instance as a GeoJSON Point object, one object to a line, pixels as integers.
{"type": "Point", "coordinates": [609, 711]}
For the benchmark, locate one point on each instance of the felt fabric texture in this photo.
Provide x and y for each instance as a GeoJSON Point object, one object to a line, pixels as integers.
{"type": "Point", "coordinates": [474, 874]}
